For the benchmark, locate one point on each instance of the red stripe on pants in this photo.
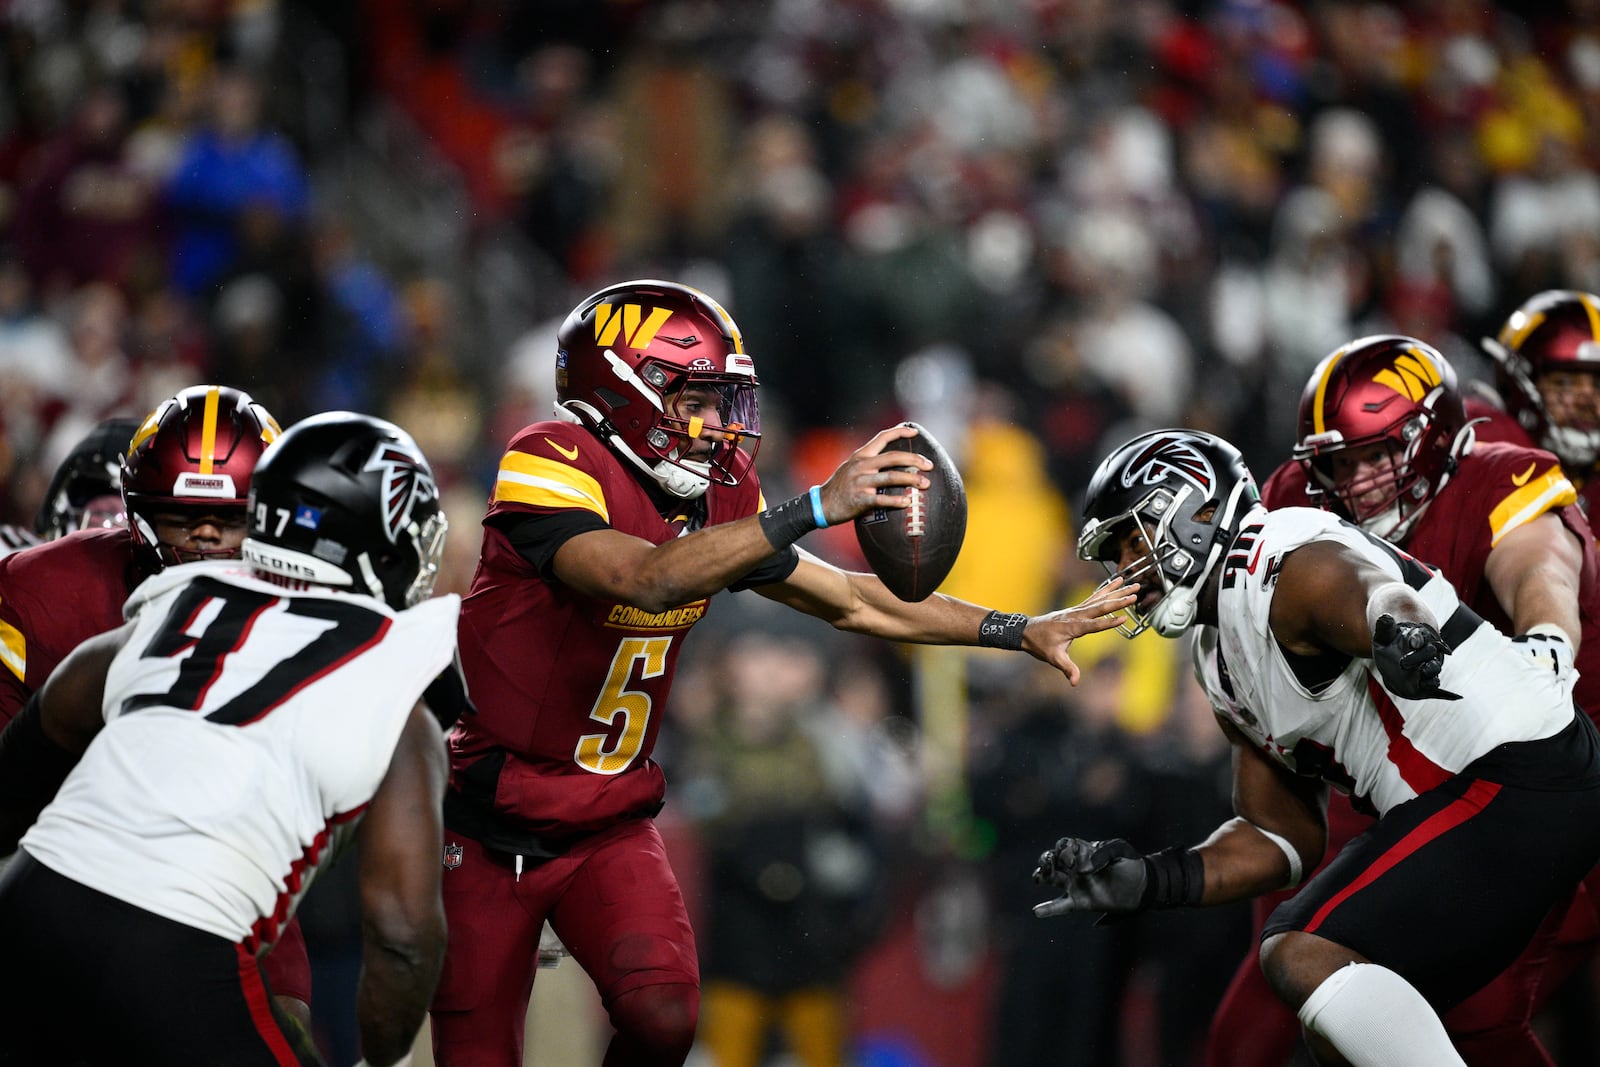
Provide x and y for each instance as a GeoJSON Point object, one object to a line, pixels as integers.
{"type": "Point", "coordinates": [1441, 822]}
{"type": "Point", "coordinates": [255, 997]}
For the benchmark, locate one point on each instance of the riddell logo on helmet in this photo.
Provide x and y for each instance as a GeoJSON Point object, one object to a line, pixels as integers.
{"type": "Point", "coordinates": [628, 320]}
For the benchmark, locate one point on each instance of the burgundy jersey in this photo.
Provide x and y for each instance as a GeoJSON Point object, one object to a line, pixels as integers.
{"type": "Point", "coordinates": [570, 688]}
{"type": "Point", "coordinates": [1498, 425]}
{"type": "Point", "coordinates": [1497, 488]}
{"type": "Point", "coordinates": [53, 597]}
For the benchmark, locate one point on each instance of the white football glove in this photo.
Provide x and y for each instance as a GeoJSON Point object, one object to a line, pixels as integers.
{"type": "Point", "coordinates": [1549, 647]}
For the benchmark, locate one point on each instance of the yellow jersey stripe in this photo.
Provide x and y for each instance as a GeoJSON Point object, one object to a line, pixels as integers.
{"type": "Point", "coordinates": [1551, 490]}
{"type": "Point", "coordinates": [540, 482]}
{"type": "Point", "coordinates": [14, 651]}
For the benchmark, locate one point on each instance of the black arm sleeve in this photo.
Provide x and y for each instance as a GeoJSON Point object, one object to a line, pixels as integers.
{"type": "Point", "coordinates": [537, 538]}
{"type": "Point", "coordinates": [774, 568]}
{"type": "Point", "coordinates": [32, 768]}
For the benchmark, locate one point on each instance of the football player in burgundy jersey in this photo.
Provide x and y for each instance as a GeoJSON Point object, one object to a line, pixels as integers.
{"type": "Point", "coordinates": [1385, 441]}
{"type": "Point", "coordinates": [608, 531]}
{"type": "Point", "coordinates": [182, 473]}
{"type": "Point", "coordinates": [1547, 384]}
{"type": "Point", "coordinates": [1333, 658]}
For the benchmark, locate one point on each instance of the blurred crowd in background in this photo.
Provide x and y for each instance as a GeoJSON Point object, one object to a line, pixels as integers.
{"type": "Point", "coordinates": [1036, 226]}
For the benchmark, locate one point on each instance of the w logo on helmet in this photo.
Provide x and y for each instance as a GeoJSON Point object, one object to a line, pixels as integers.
{"type": "Point", "coordinates": [1412, 375]}
{"type": "Point", "coordinates": [611, 320]}
{"type": "Point", "coordinates": [406, 481]}
{"type": "Point", "coordinates": [1168, 456]}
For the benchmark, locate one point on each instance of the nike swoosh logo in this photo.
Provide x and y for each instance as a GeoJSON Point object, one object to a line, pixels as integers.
{"type": "Point", "coordinates": [1255, 560]}
{"type": "Point", "coordinates": [572, 453]}
{"type": "Point", "coordinates": [1522, 479]}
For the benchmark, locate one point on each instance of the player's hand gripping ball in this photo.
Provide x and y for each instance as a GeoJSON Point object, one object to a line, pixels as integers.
{"type": "Point", "coordinates": [912, 549]}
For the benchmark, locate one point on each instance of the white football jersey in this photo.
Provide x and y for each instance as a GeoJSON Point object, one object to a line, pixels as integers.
{"type": "Point", "coordinates": [247, 727]}
{"type": "Point", "coordinates": [1353, 732]}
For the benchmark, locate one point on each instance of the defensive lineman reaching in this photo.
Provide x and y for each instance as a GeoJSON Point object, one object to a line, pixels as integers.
{"type": "Point", "coordinates": [607, 534]}
{"type": "Point", "coordinates": [1333, 658]}
{"type": "Point", "coordinates": [246, 720]}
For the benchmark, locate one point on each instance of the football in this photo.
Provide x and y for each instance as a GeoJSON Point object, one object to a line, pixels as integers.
{"type": "Point", "coordinates": [912, 549]}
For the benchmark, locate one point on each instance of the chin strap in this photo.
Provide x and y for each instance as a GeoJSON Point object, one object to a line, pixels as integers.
{"type": "Point", "coordinates": [675, 478]}
{"type": "Point", "coordinates": [1177, 610]}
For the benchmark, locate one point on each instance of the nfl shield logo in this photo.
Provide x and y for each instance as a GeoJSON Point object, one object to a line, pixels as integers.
{"type": "Point", "coordinates": [452, 857]}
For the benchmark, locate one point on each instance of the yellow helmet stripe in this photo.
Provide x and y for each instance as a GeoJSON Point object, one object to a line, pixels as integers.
{"type": "Point", "coordinates": [145, 430]}
{"type": "Point", "coordinates": [1594, 314]}
{"type": "Point", "coordinates": [1322, 390]}
{"type": "Point", "coordinates": [208, 431]}
{"type": "Point", "coordinates": [1513, 338]}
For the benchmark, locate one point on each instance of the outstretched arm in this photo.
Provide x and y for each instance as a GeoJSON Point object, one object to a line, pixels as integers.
{"type": "Point", "coordinates": [1278, 835]}
{"type": "Point", "coordinates": [613, 564]}
{"type": "Point", "coordinates": [1534, 572]}
{"type": "Point", "coordinates": [402, 913]}
{"type": "Point", "coordinates": [860, 603]}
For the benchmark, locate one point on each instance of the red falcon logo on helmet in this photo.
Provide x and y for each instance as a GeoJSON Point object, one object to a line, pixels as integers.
{"type": "Point", "coordinates": [405, 481]}
{"type": "Point", "coordinates": [1170, 455]}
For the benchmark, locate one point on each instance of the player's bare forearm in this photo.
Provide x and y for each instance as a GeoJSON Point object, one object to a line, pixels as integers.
{"type": "Point", "coordinates": [860, 603]}
{"type": "Point", "coordinates": [397, 982]}
{"type": "Point", "coordinates": [689, 568]}
{"type": "Point", "coordinates": [1241, 859]}
{"type": "Point", "coordinates": [1534, 572]}
{"type": "Point", "coordinates": [658, 578]}
{"type": "Point", "coordinates": [403, 923]}
{"type": "Point", "coordinates": [1241, 863]}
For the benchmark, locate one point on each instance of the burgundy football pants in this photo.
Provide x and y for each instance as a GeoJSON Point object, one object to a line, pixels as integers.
{"type": "Point", "coordinates": [614, 902]}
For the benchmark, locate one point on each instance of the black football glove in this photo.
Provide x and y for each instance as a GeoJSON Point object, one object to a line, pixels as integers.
{"type": "Point", "coordinates": [1107, 876]}
{"type": "Point", "coordinates": [447, 697]}
{"type": "Point", "coordinates": [1409, 657]}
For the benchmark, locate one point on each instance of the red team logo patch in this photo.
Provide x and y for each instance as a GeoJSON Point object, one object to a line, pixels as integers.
{"type": "Point", "coordinates": [452, 857]}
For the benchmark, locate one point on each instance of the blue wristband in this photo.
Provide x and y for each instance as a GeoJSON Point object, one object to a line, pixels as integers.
{"type": "Point", "coordinates": [816, 507]}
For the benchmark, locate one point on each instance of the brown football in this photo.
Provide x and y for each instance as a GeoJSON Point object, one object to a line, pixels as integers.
{"type": "Point", "coordinates": [912, 549]}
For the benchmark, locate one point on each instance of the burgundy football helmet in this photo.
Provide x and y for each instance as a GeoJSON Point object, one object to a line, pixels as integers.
{"type": "Point", "coordinates": [194, 453]}
{"type": "Point", "coordinates": [623, 355]}
{"type": "Point", "coordinates": [1390, 390]}
{"type": "Point", "coordinates": [1556, 330]}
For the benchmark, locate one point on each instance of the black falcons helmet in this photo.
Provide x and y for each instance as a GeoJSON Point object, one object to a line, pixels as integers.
{"type": "Point", "coordinates": [1160, 482]}
{"type": "Point", "coordinates": [92, 469]}
{"type": "Point", "coordinates": [347, 500]}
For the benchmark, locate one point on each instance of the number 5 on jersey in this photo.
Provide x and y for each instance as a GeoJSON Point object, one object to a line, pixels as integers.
{"type": "Point", "coordinates": [625, 711]}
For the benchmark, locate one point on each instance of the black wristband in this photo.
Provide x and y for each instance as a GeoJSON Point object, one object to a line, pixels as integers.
{"type": "Point", "coordinates": [1000, 630]}
{"type": "Point", "coordinates": [788, 522]}
{"type": "Point", "coordinates": [1176, 879]}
